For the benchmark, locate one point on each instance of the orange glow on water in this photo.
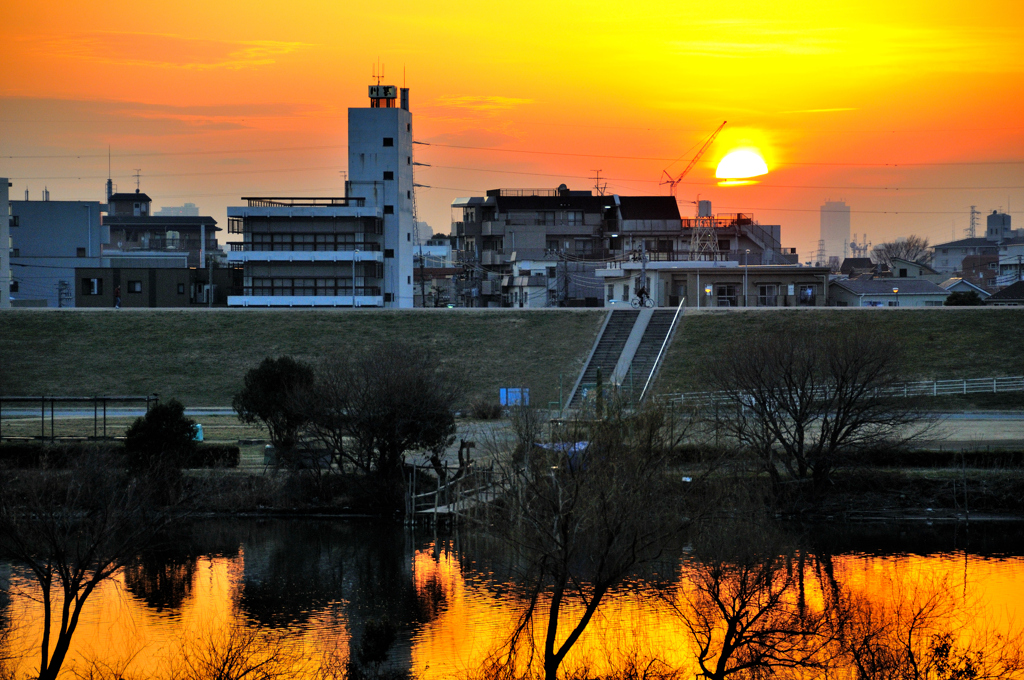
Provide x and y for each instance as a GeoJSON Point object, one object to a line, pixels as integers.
{"type": "Point", "coordinates": [470, 618]}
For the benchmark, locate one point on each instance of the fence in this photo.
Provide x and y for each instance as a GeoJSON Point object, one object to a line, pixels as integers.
{"type": "Point", "coordinates": [923, 388]}
{"type": "Point", "coordinates": [451, 499]}
{"type": "Point", "coordinates": [99, 410]}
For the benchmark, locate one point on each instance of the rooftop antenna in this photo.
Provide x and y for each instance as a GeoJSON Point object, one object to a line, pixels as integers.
{"type": "Point", "coordinates": [598, 187]}
{"type": "Point", "coordinates": [138, 179]}
{"type": "Point", "coordinates": [377, 71]}
{"type": "Point", "coordinates": [110, 182]}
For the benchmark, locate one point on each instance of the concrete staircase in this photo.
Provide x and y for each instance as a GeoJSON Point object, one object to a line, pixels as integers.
{"type": "Point", "coordinates": [658, 328]}
{"type": "Point", "coordinates": [606, 352]}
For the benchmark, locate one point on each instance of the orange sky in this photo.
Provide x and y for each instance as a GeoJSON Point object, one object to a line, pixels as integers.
{"type": "Point", "coordinates": [215, 100]}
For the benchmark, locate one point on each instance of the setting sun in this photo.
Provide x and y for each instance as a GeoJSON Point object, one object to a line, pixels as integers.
{"type": "Point", "coordinates": [740, 164]}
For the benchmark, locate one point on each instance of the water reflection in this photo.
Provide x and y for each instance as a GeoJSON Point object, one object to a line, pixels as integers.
{"type": "Point", "coordinates": [453, 598]}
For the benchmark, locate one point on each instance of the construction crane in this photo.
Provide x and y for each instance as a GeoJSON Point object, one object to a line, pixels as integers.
{"type": "Point", "coordinates": [673, 181]}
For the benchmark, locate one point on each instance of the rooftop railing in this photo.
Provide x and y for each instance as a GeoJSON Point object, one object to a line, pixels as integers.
{"type": "Point", "coordinates": [302, 201]}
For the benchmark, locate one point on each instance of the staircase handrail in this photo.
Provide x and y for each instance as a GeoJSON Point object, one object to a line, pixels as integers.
{"type": "Point", "coordinates": [661, 352]}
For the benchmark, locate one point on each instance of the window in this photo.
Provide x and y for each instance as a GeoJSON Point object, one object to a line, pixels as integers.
{"type": "Point", "coordinates": [389, 210]}
{"type": "Point", "coordinates": [727, 296]}
{"type": "Point", "coordinates": [388, 174]}
{"type": "Point", "coordinates": [135, 286]}
{"type": "Point", "coordinates": [408, 127]}
{"type": "Point", "coordinates": [767, 295]}
{"type": "Point", "coordinates": [388, 297]}
{"type": "Point", "coordinates": [894, 303]}
{"type": "Point", "coordinates": [15, 252]}
{"type": "Point", "coordinates": [14, 286]}
{"type": "Point", "coordinates": [903, 273]}
{"type": "Point", "coordinates": [625, 292]}
{"type": "Point", "coordinates": [181, 289]}
{"type": "Point", "coordinates": [408, 194]}
{"type": "Point", "coordinates": [408, 160]}
{"type": "Point", "coordinates": [389, 252]}
{"type": "Point", "coordinates": [408, 279]}
{"type": "Point", "coordinates": [932, 303]}
{"type": "Point", "coordinates": [92, 286]}
{"type": "Point", "coordinates": [806, 296]}
{"type": "Point", "coordinates": [389, 141]}
{"type": "Point", "coordinates": [81, 252]}
{"type": "Point", "coordinates": [611, 291]}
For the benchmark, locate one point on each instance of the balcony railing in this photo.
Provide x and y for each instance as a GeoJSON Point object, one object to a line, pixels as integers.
{"type": "Point", "coordinates": [301, 201]}
{"type": "Point", "coordinates": [364, 246]}
{"type": "Point", "coordinates": [290, 291]}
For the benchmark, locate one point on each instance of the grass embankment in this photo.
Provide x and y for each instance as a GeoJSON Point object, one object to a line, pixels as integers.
{"type": "Point", "coordinates": [940, 344]}
{"type": "Point", "coordinates": [199, 357]}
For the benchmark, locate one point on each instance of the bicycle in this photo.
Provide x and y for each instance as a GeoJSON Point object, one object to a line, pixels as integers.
{"type": "Point", "coordinates": [642, 301]}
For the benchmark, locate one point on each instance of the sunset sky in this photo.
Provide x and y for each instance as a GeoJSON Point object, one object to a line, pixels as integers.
{"type": "Point", "coordinates": [910, 111]}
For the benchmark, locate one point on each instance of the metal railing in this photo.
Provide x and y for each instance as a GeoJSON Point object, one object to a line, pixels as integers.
{"type": "Point", "coordinates": [301, 201]}
{"type": "Point", "coordinates": [922, 388]}
{"type": "Point", "coordinates": [664, 344]}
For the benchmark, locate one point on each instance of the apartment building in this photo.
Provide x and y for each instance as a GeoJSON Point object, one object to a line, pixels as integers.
{"type": "Point", "coordinates": [352, 251]}
{"type": "Point", "coordinates": [542, 247]}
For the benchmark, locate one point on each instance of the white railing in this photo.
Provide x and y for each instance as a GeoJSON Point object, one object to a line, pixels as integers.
{"type": "Point", "coordinates": [664, 344]}
{"type": "Point", "coordinates": [923, 388]}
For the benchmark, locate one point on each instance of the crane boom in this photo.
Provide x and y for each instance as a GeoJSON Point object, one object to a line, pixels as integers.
{"type": "Point", "coordinates": [673, 181]}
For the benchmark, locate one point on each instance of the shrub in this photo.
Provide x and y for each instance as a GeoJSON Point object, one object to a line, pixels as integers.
{"type": "Point", "coordinates": [163, 437]}
{"type": "Point", "coordinates": [213, 456]}
{"type": "Point", "coordinates": [482, 409]}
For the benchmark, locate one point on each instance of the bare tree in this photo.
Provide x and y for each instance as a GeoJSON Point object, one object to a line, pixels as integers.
{"type": "Point", "coordinates": [918, 632]}
{"type": "Point", "coordinates": [913, 248]}
{"type": "Point", "coordinates": [73, 529]}
{"type": "Point", "coordinates": [742, 602]}
{"type": "Point", "coordinates": [369, 409]}
{"type": "Point", "coordinates": [809, 401]}
{"type": "Point", "coordinates": [580, 514]}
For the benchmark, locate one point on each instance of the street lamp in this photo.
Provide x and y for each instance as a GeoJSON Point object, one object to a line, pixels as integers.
{"type": "Point", "coordinates": [897, 292]}
{"type": "Point", "coordinates": [707, 291]}
{"type": "Point", "coordinates": [746, 256]}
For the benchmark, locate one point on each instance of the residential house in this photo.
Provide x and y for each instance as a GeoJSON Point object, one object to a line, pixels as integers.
{"type": "Point", "coordinates": [890, 292]}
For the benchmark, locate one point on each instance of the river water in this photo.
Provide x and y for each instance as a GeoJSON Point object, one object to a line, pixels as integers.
{"type": "Point", "coordinates": [454, 598]}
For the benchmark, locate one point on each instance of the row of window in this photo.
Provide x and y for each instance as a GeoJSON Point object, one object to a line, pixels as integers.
{"type": "Point", "coordinates": [95, 287]}
{"type": "Point", "coordinates": [336, 286]}
{"type": "Point", "coordinates": [311, 242]}
{"type": "Point", "coordinates": [727, 295]}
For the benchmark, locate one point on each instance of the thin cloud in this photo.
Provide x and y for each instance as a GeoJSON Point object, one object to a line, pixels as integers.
{"type": "Point", "coordinates": [486, 104]}
{"type": "Point", "coordinates": [840, 108]}
{"type": "Point", "coordinates": [157, 50]}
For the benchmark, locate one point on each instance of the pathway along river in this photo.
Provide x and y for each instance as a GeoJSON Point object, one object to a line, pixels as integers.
{"type": "Point", "coordinates": [319, 582]}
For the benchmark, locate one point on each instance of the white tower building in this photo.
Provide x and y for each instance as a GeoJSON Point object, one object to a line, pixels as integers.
{"type": "Point", "coordinates": [835, 228]}
{"type": "Point", "coordinates": [380, 170]}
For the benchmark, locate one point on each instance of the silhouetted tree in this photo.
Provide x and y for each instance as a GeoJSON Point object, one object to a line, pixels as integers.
{"type": "Point", "coordinates": [913, 248]}
{"type": "Point", "coordinates": [268, 397]}
{"type": "Point", "coordinates": [73, 529]}
{"type": "Point", "coordinates": [580, 515]}
{"type": "Point", "coordinates": [369, 409]}
{"type": "Point", "coordinates": [808, 400]}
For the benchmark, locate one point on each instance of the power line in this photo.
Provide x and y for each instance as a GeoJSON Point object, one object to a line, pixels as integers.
{"type": "Point", "coordinates": [655, 158]}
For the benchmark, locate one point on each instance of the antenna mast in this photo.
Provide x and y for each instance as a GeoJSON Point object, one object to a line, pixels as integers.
{"type": "Point", "coordinates": [597, 183]}
{"type": "Point", "coordinates": [138, 179]}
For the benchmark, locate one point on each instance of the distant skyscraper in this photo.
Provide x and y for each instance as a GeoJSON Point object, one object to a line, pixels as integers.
{"type": "Point", "coordinates": [835, 227]}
